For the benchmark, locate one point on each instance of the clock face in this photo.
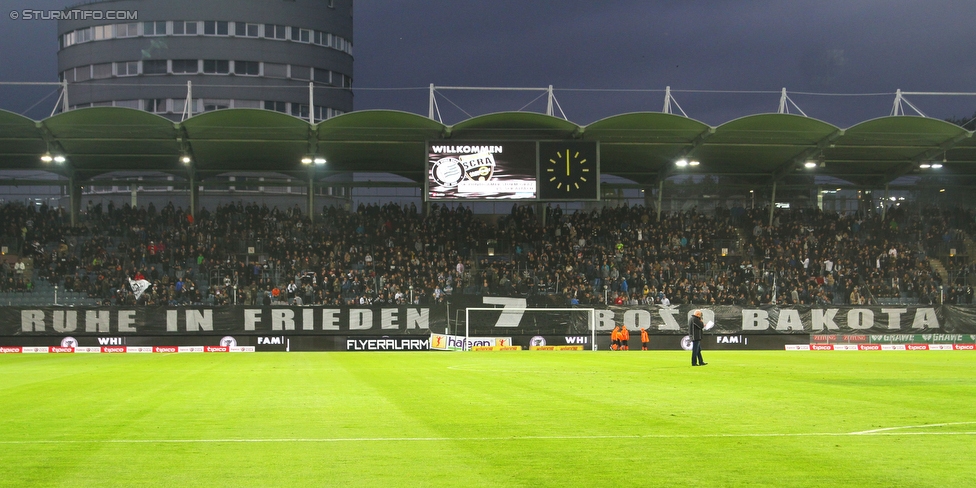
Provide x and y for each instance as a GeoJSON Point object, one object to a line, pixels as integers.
{"type": "Point", "coordinates": [568, 171]}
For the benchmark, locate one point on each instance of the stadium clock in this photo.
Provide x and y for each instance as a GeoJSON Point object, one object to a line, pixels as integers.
{"type": "Point", "coordinates": [568, 171]}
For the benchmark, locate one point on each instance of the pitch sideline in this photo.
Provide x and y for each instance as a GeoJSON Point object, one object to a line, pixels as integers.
{"type": "Point", "coordinates": [887, 432]}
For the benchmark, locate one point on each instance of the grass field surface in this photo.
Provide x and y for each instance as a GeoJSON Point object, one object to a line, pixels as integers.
{"type": "Point", "coordinates": [489, 419]}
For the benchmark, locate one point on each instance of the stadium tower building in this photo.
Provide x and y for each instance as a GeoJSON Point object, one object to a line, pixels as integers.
{"type": "Point", "coordinates": [291, 56]}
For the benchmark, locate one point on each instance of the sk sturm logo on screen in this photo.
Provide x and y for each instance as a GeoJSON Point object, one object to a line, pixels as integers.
{"type": "Point", "coordinates": [686, 343]}
{"type": "Point", "coordinates": [537, 341]}
{"type": "Point", "coordinates": [447, 172]}
{"type": "Point", "coordinates": [69, 342]}
{"type": "Point", "coordinates": [228, 341]}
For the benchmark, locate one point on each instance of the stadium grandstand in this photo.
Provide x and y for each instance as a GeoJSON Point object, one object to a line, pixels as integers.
{"type": "Point", "coordinates": [715, 243]}
{"type": "Point", "coordinates": [392, 254]}
{"type": "Point", "coordinates": [204, 187]}
{"type": "Point", "coordinates": [385, 210]}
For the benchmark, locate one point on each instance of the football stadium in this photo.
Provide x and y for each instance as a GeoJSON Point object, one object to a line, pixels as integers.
{"type": "Point", "coordinates": [211, 290]}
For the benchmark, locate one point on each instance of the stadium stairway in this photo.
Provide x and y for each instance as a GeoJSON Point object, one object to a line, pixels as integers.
{"type": "Point", "coordinates": [741, 246]}
{"type": "Point", "coordinates": [939, 268]}
{"type": "Point", "coordinates": [970, 247]}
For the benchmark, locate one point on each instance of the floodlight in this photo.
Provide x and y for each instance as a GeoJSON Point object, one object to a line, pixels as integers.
{"type": "Point", "coordinates": [47, 158]}
{"type": "Point", "coordinates": [319, 160]}
{"type": "Point", "coordinates": [307, 160]}
{"type": "Point", "coordinates": [185, 159]}
{"type": "Point", "coordinates": [681, 163]}
{"type": "Point", "coordinates": [925, 166]}
{"type": "Point", "coordinates": [936, 166]}
{"type": "Point", "coordinates": [810, 165]}
{"type": "Point", "coordinates": [693, 163]}
{"type": "Point", "coordinates": [59, 159]}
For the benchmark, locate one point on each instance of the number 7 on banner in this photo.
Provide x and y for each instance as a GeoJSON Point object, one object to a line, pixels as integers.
{"type": "Point", "coordinates": [512, 310]}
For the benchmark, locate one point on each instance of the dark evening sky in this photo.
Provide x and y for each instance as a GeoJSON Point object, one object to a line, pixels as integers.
{"type": "Point", "coordinates": [606, 58]}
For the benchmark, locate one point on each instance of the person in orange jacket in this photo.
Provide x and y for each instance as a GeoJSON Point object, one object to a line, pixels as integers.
{"type": "Point", "coordinates": [644, 339]}
{"type": "Point", "coordinates": [624, 338]}
{"type": "Point", "coordinates": [615, 339]}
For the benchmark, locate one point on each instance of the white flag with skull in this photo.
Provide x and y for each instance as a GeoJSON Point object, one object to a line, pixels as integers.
{"type": "Point", "coordinates": [139, 287]}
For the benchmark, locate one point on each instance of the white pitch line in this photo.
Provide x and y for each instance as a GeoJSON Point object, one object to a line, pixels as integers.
{"type": "Point", "coordinates": [483, 439]}
{"type": "Point", "coordinates": [875, 431]}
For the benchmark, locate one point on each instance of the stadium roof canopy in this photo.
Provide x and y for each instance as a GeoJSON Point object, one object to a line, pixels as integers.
{"type": "Point", "coordinates": [642, 147]}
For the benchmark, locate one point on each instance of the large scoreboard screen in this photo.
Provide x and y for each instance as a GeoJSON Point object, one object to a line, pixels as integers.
{"type": "Point", "coordinates": [513, 170]}
{"type": "Point", "coordinates": [467, 170]}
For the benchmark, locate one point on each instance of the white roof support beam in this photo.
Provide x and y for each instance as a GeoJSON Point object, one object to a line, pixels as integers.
{"type": "Point", "coordinates": [784, 104]}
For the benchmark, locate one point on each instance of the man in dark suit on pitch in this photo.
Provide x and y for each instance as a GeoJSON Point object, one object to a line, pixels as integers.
{"type": "Point", "coordinates": [695, 328]}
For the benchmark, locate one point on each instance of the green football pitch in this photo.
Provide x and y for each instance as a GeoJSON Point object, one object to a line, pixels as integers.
{"type": "Point", "coordinates": [776, 418]}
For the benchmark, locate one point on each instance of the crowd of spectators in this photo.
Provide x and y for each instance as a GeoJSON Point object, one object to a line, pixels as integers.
{"type": "Point", "coordinates": [16, 274]}
{"type": "Point", "coordinates": [814, 257]}
{"type": "Point", "coordinates": [624, 255]}
{"type": "Point", "coordinates": [378, 254]}
{"type": "Point", "coordinates": [946, 238]}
